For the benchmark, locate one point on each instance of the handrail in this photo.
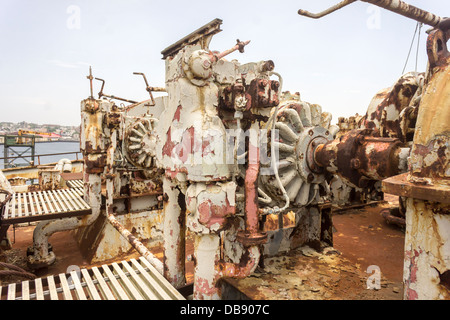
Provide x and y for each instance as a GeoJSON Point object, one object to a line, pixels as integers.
{"type": "Point", "coordinates": [10, 159]}
{"type": "Point", "coordinates": [42, 155]}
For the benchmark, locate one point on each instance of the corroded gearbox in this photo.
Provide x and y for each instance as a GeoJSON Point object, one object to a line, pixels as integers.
{"type": "Point", "coordinates": [300, 128]}
{"type": "Point", "coordinates": [140, 143]}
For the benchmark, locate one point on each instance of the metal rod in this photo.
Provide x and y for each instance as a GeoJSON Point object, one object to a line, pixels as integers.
{"type": "Point", "coordinates": [90, 81]}
{"type": "Point", "coordinates": [101, 94]}
{"type": "Point", "coordinates": [325, 12]}
{"type": "Point", "coordinates": [136, 244]}
{"type": "Point", "coordinates": [41, 155]}
{"type": "Point", "coordinates": [396, 6]}
{"type": "Point", "coordinates": [408, 11]}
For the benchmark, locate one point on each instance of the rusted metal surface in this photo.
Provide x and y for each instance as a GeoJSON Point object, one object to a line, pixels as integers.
{"type": "Point", "coordinates": [430, 154]}
{"type": "Point", "coordinates": [301, 127]}
{"type": "Point", "coordinates": [209, 268]}
{"type": "Point", "coordinates": [202, 35]}
{"type": "Point", "coordinates": [304, 274]}
{"type": "Point", "coordinates": [371, 158]}
{"type": "Point", "coordinates": [390, 218]}
{"type": "Point", "coordinates": [209, 206]}
{"type": "Point", "coordinates": [174, 233]}
{"type": "Point", "coordinates": [426, 250]}
{"type": "Point", "coordinates": [135, 243]}
{"type": "Point", "coordinates": [408, 11]}
{"type": "Point", "coordinates": [426, 184]}
{"type": "Point", "coordinates": [392, 113]}
{"type": "Point", "coordinates": [49, 178]}
{"type": "Point", "coordinates": [252, 235]}
{"type": "Point", "coordinates": [396, 6]}
{"type": "Point", "coordinates": [202, 153]}
{"type": "Point", "coordinates": [402, 186]}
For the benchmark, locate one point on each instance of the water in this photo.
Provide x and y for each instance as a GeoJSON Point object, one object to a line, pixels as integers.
{"type": "Point", "coordinates": [42, 148]}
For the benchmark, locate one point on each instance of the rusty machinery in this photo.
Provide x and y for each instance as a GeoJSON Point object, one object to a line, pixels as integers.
{"type": "Point", "coordinates": [226, 154]}
{"type": "Point", "coordinates": [413, 114]}
{"type": "Point", "coordinates": [228, 157]}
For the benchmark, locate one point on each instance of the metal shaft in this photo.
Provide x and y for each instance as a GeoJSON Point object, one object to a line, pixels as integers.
{"type": "Point", "coordinates": [408, 11]}
{"type": "Point", "coordinates": [396, 6]}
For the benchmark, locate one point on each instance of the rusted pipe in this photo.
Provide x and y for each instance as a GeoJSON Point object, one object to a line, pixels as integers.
{"type": "Point", "coordinates": [251, 184]}
{"type": "Point", "coordinates": [408, 11]}
{"type": "Point", "coordinates": [357, 156]}
{"type": "Point", "coordinates": [391, 219]}
{"type": "Point", "coordinates": [239, 46]}
{"type": "Point", "coordinates": [136, 244]}
{"type": "Point", "coordinates": [211, 269]}
{"type": "Point", "coordinates": [325, 12]}
{"type": "Point", "coordinates": [396, 6]}
{"type": "Point", "coordinates": [251, 235]}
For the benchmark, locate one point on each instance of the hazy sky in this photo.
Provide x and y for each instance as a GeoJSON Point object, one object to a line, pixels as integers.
{"type": "Point", "coordinates": [339, 61]}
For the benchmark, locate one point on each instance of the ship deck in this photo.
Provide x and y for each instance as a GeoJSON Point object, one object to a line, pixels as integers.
{"type": "Point", "coordinates": [362, 239]}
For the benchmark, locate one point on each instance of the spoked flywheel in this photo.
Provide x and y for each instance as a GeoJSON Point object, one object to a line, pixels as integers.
{"type": "Point", "coordinates": [299, 128]}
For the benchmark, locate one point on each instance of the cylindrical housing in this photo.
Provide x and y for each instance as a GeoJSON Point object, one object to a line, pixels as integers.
{"type": "Point", "coordinates": [356, 157]}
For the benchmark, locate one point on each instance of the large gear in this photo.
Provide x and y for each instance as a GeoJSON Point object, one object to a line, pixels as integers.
{"type": "Point", "coordinates": [140, 143]}
{"type": "Point", "coordinates": [300, 128]}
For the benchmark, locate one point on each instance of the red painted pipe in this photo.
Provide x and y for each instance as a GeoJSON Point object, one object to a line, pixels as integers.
{"type": "Point", "coordinates": [251, 189]}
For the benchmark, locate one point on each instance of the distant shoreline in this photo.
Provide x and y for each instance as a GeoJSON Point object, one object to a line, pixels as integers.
{"type": "Point", "coordinates": [74, 141]}
{"type": "Point", "coordinates": [58, 141]}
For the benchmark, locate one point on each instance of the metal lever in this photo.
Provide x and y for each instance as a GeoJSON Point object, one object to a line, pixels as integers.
{"type": "Point", "coordinates": [150, 89]}
{"type": "Point", "coordinates": [90, 80]}
{"type": "Point", "coordinates": [101, 94]}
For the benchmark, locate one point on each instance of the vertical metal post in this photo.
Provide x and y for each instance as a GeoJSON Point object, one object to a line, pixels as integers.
{"type": "Point", "coordinates": [427, 240]}
{"type": "Point", "coordinates": [174, 233]}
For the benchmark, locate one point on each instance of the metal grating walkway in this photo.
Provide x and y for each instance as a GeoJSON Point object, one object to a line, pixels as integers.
{"type": "Point", "coordinates": [44, 205]}
{"type": "Point", "coordinates": [75, 183]}
{"type": "Point", "coordinates": [126, 280]}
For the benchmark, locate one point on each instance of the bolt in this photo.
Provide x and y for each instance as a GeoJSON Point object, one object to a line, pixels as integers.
{"type": "Point", "coordinates": [311, 132]}
{"type": "Point", "coordinates": [275, 85]}
{"type": "Point", "coordinates": [262, 83]}
{"type": "Point", "coordinates": [206, 64]}
{"type": "Point", "coordinates": [355, 163]}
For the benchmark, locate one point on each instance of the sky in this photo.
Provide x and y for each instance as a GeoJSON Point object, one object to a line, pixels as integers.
{"type": "Point", "coordinates": [339, 61]}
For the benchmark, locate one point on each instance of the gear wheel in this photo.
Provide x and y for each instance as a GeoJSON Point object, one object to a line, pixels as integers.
{"type": "Point", "coordinates": [140, 143]}
{"type": "Point", "coordinates": [300, 128]}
